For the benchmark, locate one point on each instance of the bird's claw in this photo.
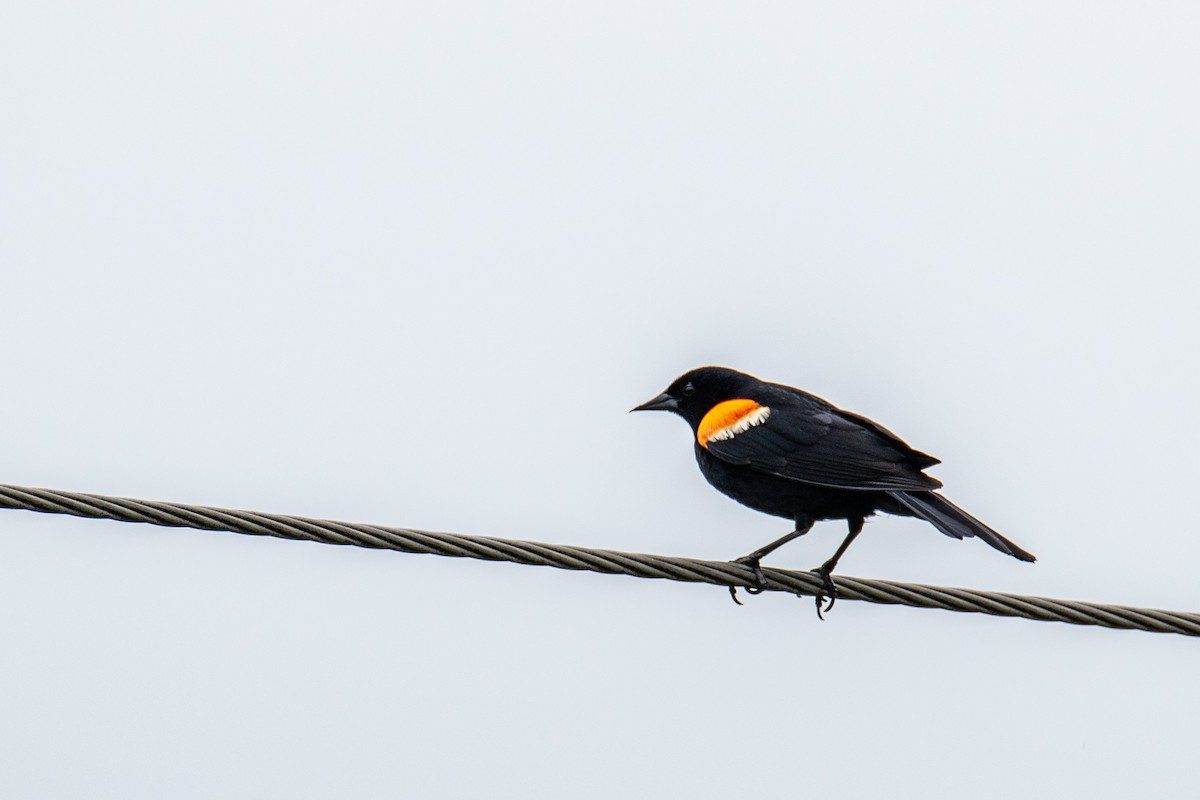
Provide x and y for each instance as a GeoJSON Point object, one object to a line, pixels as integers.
{"type": "Point", "coordinates": [760, 580]}
{"type": "Point", "coordinates": [824, 573]}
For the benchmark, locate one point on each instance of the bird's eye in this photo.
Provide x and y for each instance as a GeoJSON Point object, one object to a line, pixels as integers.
{"type": "Point", "coordinates": [689, 390]}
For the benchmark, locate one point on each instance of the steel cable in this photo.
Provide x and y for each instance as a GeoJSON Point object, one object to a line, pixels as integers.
{"type": "Point", "coordinates": [639, 565]}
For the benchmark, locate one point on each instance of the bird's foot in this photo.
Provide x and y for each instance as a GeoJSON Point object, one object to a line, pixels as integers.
{"type": "Point", "coordinates": [824, 572]}
{"type": "Point", "coordinates": [760, 580]}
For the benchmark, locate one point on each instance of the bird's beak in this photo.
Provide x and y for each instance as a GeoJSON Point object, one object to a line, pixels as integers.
{"type": "Point", "coordinates": [664, 402]}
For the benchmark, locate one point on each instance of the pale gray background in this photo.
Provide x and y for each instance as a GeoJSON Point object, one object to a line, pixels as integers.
{"type": "Point", "coordinates": [411, 264]}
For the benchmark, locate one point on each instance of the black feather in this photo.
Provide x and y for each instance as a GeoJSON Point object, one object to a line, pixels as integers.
{"type": "Point", "coordinates": [953, 521]}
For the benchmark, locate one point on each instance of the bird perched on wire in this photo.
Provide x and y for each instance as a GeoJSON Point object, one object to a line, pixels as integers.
{"type": "Point", "coordinates": [785, 452]}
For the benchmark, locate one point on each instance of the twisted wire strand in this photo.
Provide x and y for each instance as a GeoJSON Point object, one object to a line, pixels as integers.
{"type": "Point", "coordinates": [639, 565]}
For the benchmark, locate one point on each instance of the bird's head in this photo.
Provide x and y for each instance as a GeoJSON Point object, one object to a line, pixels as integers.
{"type": "Point", "coordinates": [694, 394]}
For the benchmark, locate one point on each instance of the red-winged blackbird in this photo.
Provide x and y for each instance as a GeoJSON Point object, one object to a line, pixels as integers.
{"type": "Point", "coordinates": [788, 453]}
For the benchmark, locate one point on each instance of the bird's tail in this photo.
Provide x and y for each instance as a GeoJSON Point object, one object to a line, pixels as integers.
{"type": "Point", "coordinates": [953, 521]}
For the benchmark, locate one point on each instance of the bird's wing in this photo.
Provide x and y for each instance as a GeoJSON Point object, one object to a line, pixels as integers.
{"type": "Point", "coordinates": [811, 442]}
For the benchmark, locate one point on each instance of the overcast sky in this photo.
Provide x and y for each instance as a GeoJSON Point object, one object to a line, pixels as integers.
{"type": "Point", "coordinates": [411, 264]}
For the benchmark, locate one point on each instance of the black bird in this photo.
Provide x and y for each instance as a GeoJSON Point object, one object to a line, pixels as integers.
{"type": "Point", "coordinates": [786, 452]}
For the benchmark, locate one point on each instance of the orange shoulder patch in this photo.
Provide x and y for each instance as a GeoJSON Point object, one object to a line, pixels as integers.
{"type": "Point", "coordinates": [726, 420]}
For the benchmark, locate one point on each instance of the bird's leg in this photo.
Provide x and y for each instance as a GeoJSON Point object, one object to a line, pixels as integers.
{"type": "Point", "coordinates": [825, 570]}
{"type": "Point", "coordinates": [803, 525]}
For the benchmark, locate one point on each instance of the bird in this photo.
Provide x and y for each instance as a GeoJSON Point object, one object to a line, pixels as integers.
{"type": "Point", "coordinates": [784, 452]}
